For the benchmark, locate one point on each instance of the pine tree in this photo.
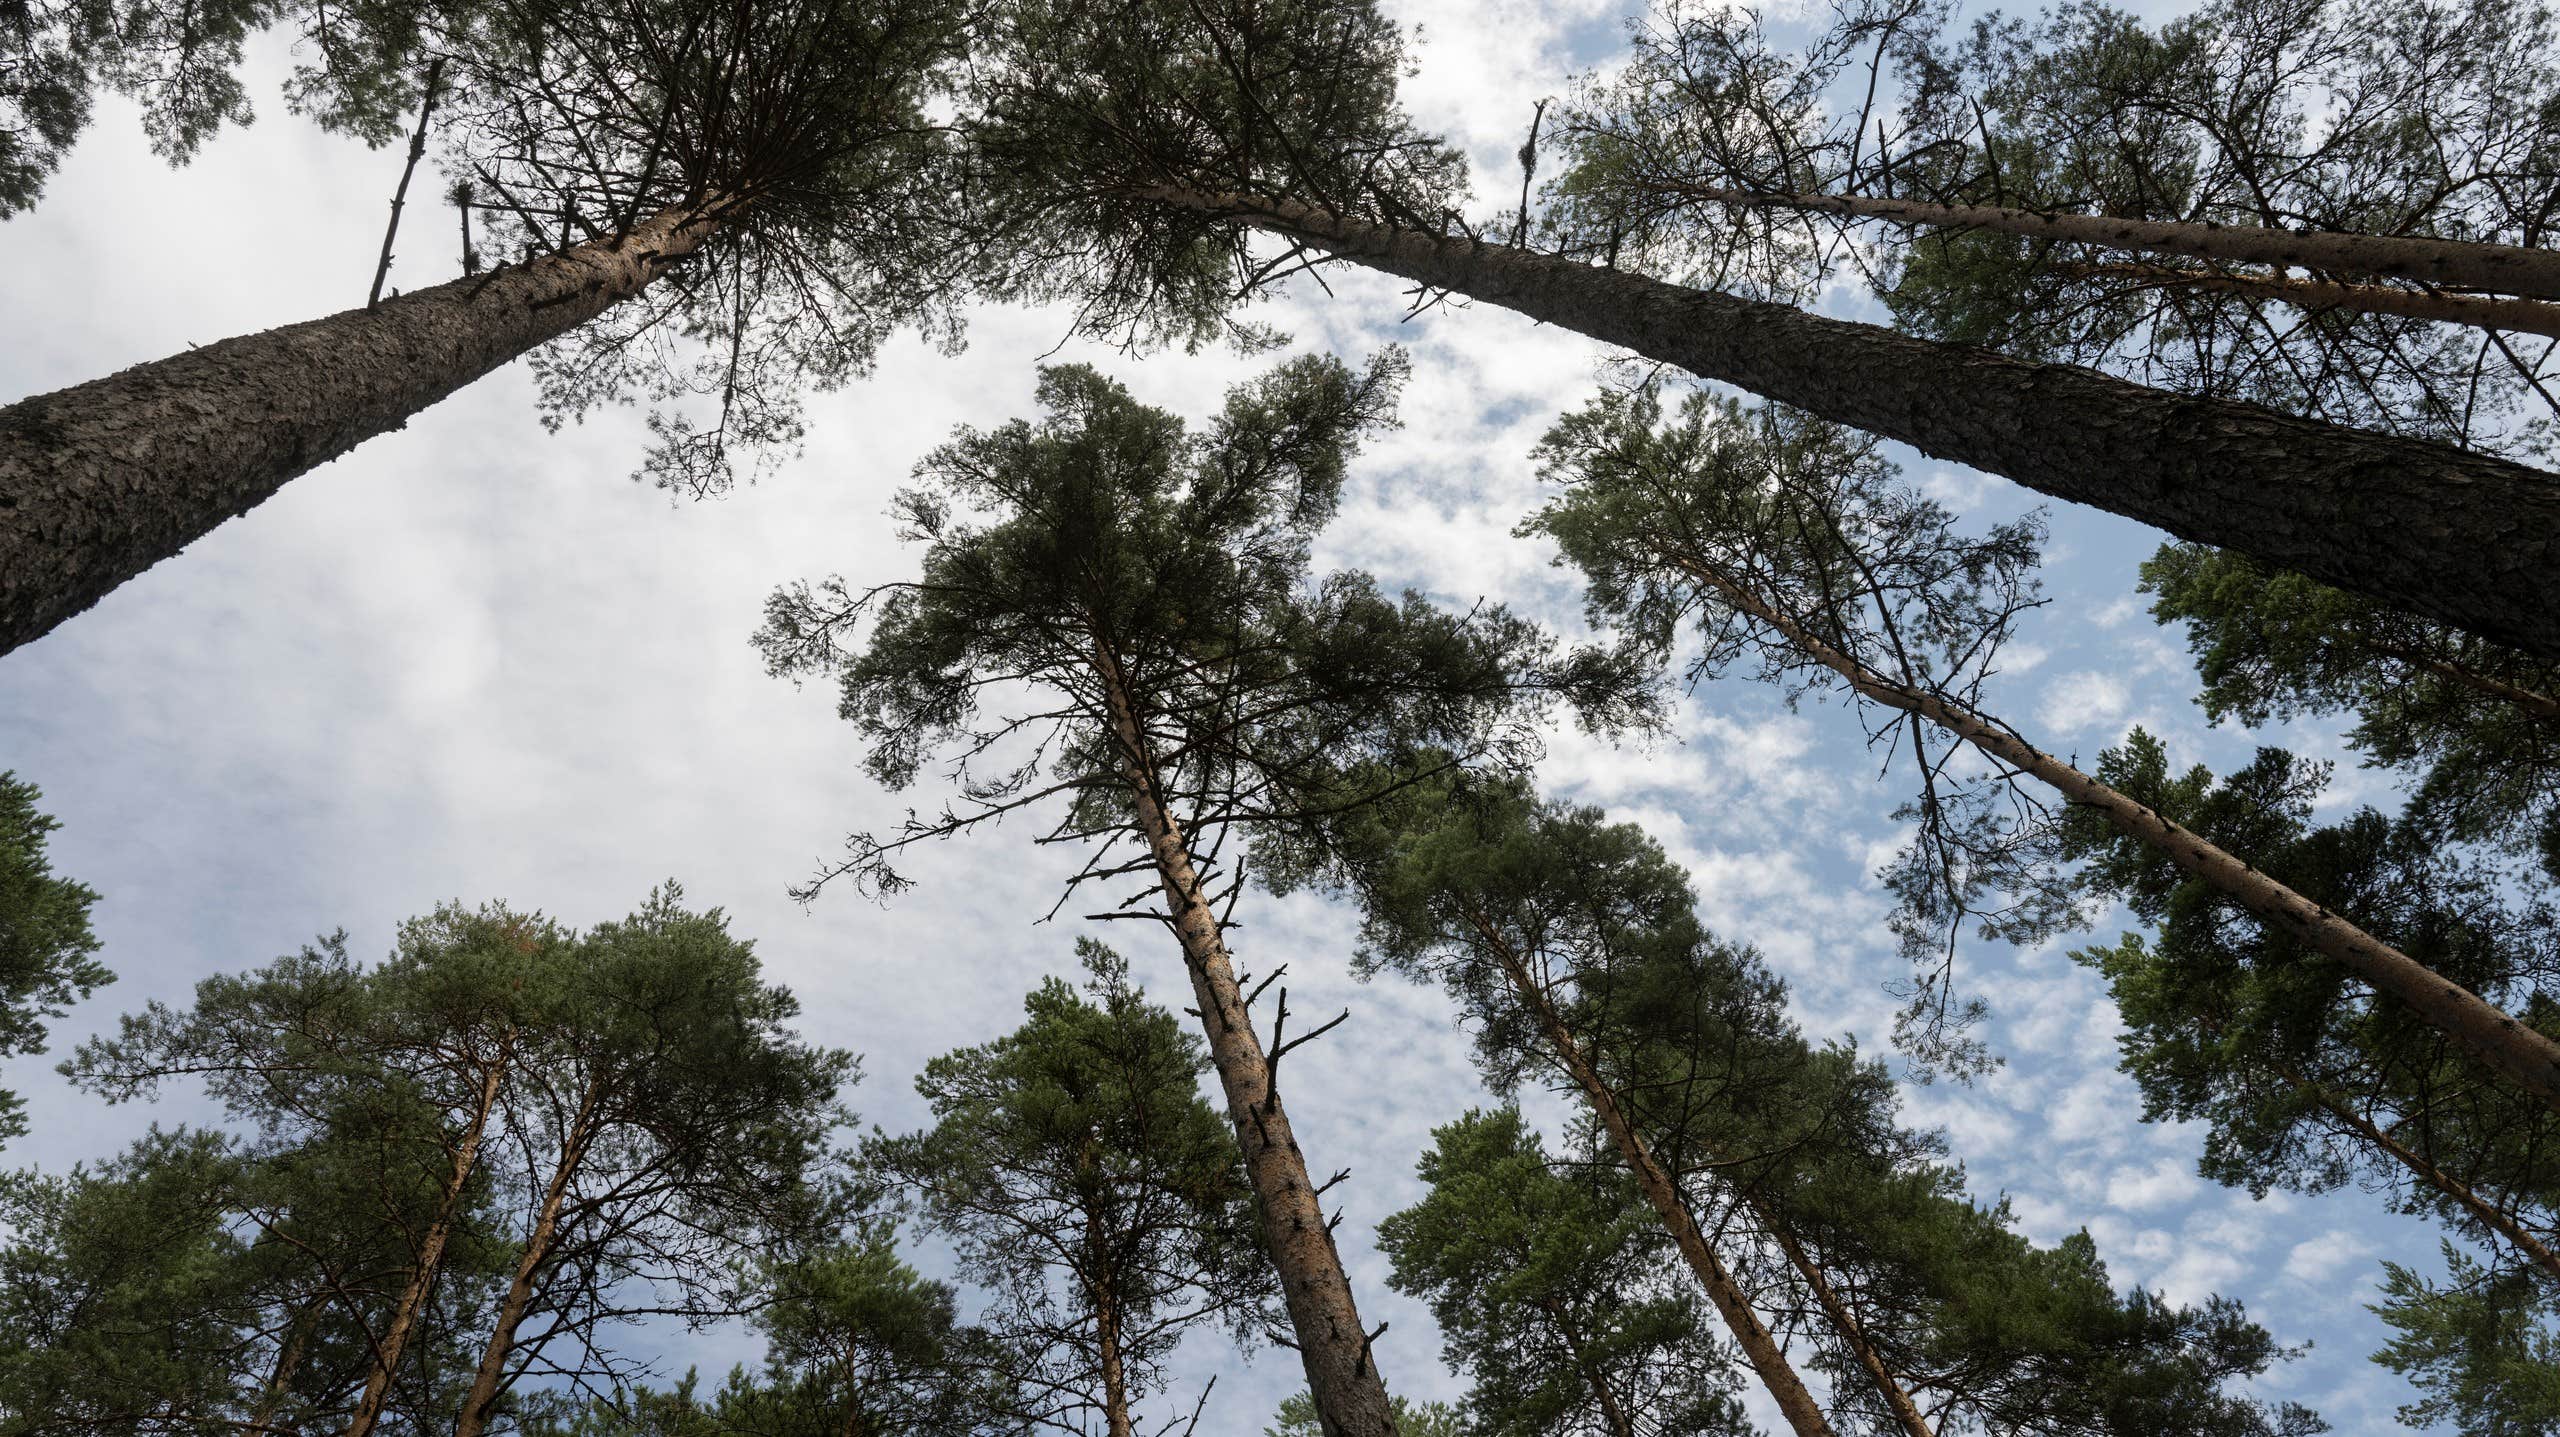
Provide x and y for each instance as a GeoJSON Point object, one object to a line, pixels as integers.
{"type": "Point", "coordinates": [691, 201]}
{"type": "Point", "coordinates": [1136, 597]}
{"type": "Point", "coordinates": [45, 939]}
{"type": "Point", "coordinates": [1087, 1186]}
{"type": "Point", "coordinates": [1280, 120]}
{"type": "Point", "coordinates": [2306, 1081]}
{"type": "Point", "coordinates": [1543, 1283]}
{"type": "Point", "coordinates": [2477, 725]}
{"type": "Point", "coordinates": [1792, 545]}
{"type": "Point", "coordinates": [2482, 1348]}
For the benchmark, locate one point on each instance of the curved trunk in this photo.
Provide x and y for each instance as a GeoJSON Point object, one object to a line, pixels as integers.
{"type": "Point", "coordinates": [1768, 1360]}
{"type": "Point", "coordinates": [101, 481]}
{"type": "Point", "coordinates": [2474, 1024]}
{"type": "Point", "coordinates": [2515, 316]}
{"type": "Point", "coordinates": [1342, 1375]}
{"type": "Point", "coordinates": [2464, 539]}
{"type": "Point", "coordinates": [2467, 264]}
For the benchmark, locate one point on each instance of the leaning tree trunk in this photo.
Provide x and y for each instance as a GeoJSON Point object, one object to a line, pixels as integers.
{"type": "Point", "coordinates": [2518, 316]}
{"type": "Point", "coordinates": [2493, 1038]}
{"type": "Point", "coordinates": [2465, 539]}
{"type": "Point", "coordinates": [1342, 1372]}
{"type": "Point", "coordinates": [1759, 1346]}
{"type": "Point", "coordinates": [480, 1404]}
{"type": "Point", "coordinates": [101, 481]}
{"type": "Point", "coordinates": [2466, 264]}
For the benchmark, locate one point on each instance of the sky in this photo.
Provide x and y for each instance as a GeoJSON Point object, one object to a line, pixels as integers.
{"type": "Point", "coordinates": [473, 661]}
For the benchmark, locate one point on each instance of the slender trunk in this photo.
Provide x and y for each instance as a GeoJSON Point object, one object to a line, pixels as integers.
{"type": "Point", "coordinates": [1906, 1413]}
{"type": "Point", "coordinates": [1610, 1409]}
{"type": "Point", "coordinates": [1759, 1347]}
{"type": "Point", "coordinates": [479, 1406]}
{"type": "Point", "coordinates": [400, 196]}
{"type": "Point", "coordinates": [413, 1298]}
{"type": "Point", "coordinates": [2533, 1248]}
{"type": "Point", "coordinates": [1105, 1295]}
{"type": "Point", "coordinates": [2466, 264]}
{"type": "Point", "coordinates": [854, 1424]}
{"type": "Point", "coordinates": [2532, 701]}
{"type": "Point", "coordinates": [2474, 1024]}
{"type": "Point", "coordinates": [101, 481]}
{"type": "Point", "coordinates": [262, 1419]}
{"type": "Point", "coordinates": [1342, 1373]}
{"type": "Point", "coordinates": [2464, 539]}
{"type": "Point", "coordinates": [2515, 316]}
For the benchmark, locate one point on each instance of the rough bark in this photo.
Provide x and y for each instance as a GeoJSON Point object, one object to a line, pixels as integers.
{"type": "Point", "coordinates": [101, 481]}
{"type": "Point", "coordinates": [2454, 1189]}
{"type": "Point", "coordinates": [1768, 1360]}
{"type": "Point", "coordinates": [1342, 1373]}
{"type": "Point", "coordinates": [2474, 1024]}
{"type": "Point", "coordinates": [2515, 316]}
{"type": "Point", "coordinates": [480, 1405]}
{"type": "Point", "coordinates": [2464, 539]}
{"type": "Point", "coordinates": [2465, 264]}
{"type": "Point", "coordinates": [422, 1276]}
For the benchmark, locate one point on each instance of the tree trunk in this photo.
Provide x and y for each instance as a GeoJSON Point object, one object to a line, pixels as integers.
{"type": "Point", "coordinates": [1759, 1347]}
{"type": "Point", "coordinates": [477, 1407]}
{"type": "Point", "coordinates": [2515, 316]}
{"type": "Point", "coordinates": [422, 1276]}
{"type": "Point", "coordinates": [1906, 1413]}
{"type": "Point", "coordinates": [1610, 1409]}
{"type": "Point", "coordinates": [2464, 539]}
{"type": "Point", "coordinates": [2459, 1192]}
{"type": "Point", "coordinates": [262, 1419]}
{"type": "Point", "coordinates": [2533, 701]}
{"type": "Point", "coordinates": [103, 480]}
{"type": "Point", "coordinates": [2465, 264]}
{"type": "Point", "coordinates": [1105, 1295]}
{"type": "Point", "coordinates": [2475, 1025]}
{"type": "Point", "coordinates": [1342, 1373]}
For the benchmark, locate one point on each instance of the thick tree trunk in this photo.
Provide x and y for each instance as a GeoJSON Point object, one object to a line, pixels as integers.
{"type": "Point", "coordinates": [2465, 539]}
{"type": "Point", "coordinates": [2474, 1024]}
{"type": "Point", "coordinates": [2515, 316]}
{"type": "Point", "coordinates": [2532, 1248]}
{"type": "Point", "coordinates": [481, 1403]}
{"type": "Point", "coordinates": [2506, 269]}
{"type": "Point", "coordinates": [1768, 1360]}
{"type": "Point", "coordinates": [422, 1276]}
{"type": "Point", "coordinates": [103, 480]}
{"type": "Point", "coordinates": [1342, 1373]}
{"type": "Point", "coordinates": [1612, 1411]}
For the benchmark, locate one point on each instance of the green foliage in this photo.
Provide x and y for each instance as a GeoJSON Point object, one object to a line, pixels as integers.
{"type": "Point", "coordinates": [2299, 1071]}
{"type": "Point", "coordinates": [1080, 109]}
{"type": "Point", "coordinates": [2482, 1348]}
{"type": "Point", "coordinates": [1085, 1182]}
{"type": "Point", "coordinates": [1108, 549]}
{"type": "Point", "coordinates": [1548, 1285]}
{"type": "Point", "coordinates": [2476, 724]}
{"type": "Point", "coordinates": [1770, 537]}
{"type": "Point", "coordinates": [45, 940]}
{"type": "Point", "coordinates": [1297, 1418]}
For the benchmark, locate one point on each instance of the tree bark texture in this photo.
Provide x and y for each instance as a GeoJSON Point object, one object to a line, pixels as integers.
{"type": "Point", "coordinates": [422, 1276]}
{"type": "Point", "coordinates": [2466, 264]}
{"type": "Point", "coordinates": [101, 481]}
{"type": "Point", "coordinates": [2464, 539]}
{"type": "Point", "coordinates": [1342, 1372]}
{"type": "Point", "coordinates": [1759, 1347]}
{"type": "Point", "coordinates": [2499, 1042]}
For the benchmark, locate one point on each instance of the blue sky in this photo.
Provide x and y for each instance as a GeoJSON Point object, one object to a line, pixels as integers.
{"type": "Point", "coordinates": [474, 661]}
